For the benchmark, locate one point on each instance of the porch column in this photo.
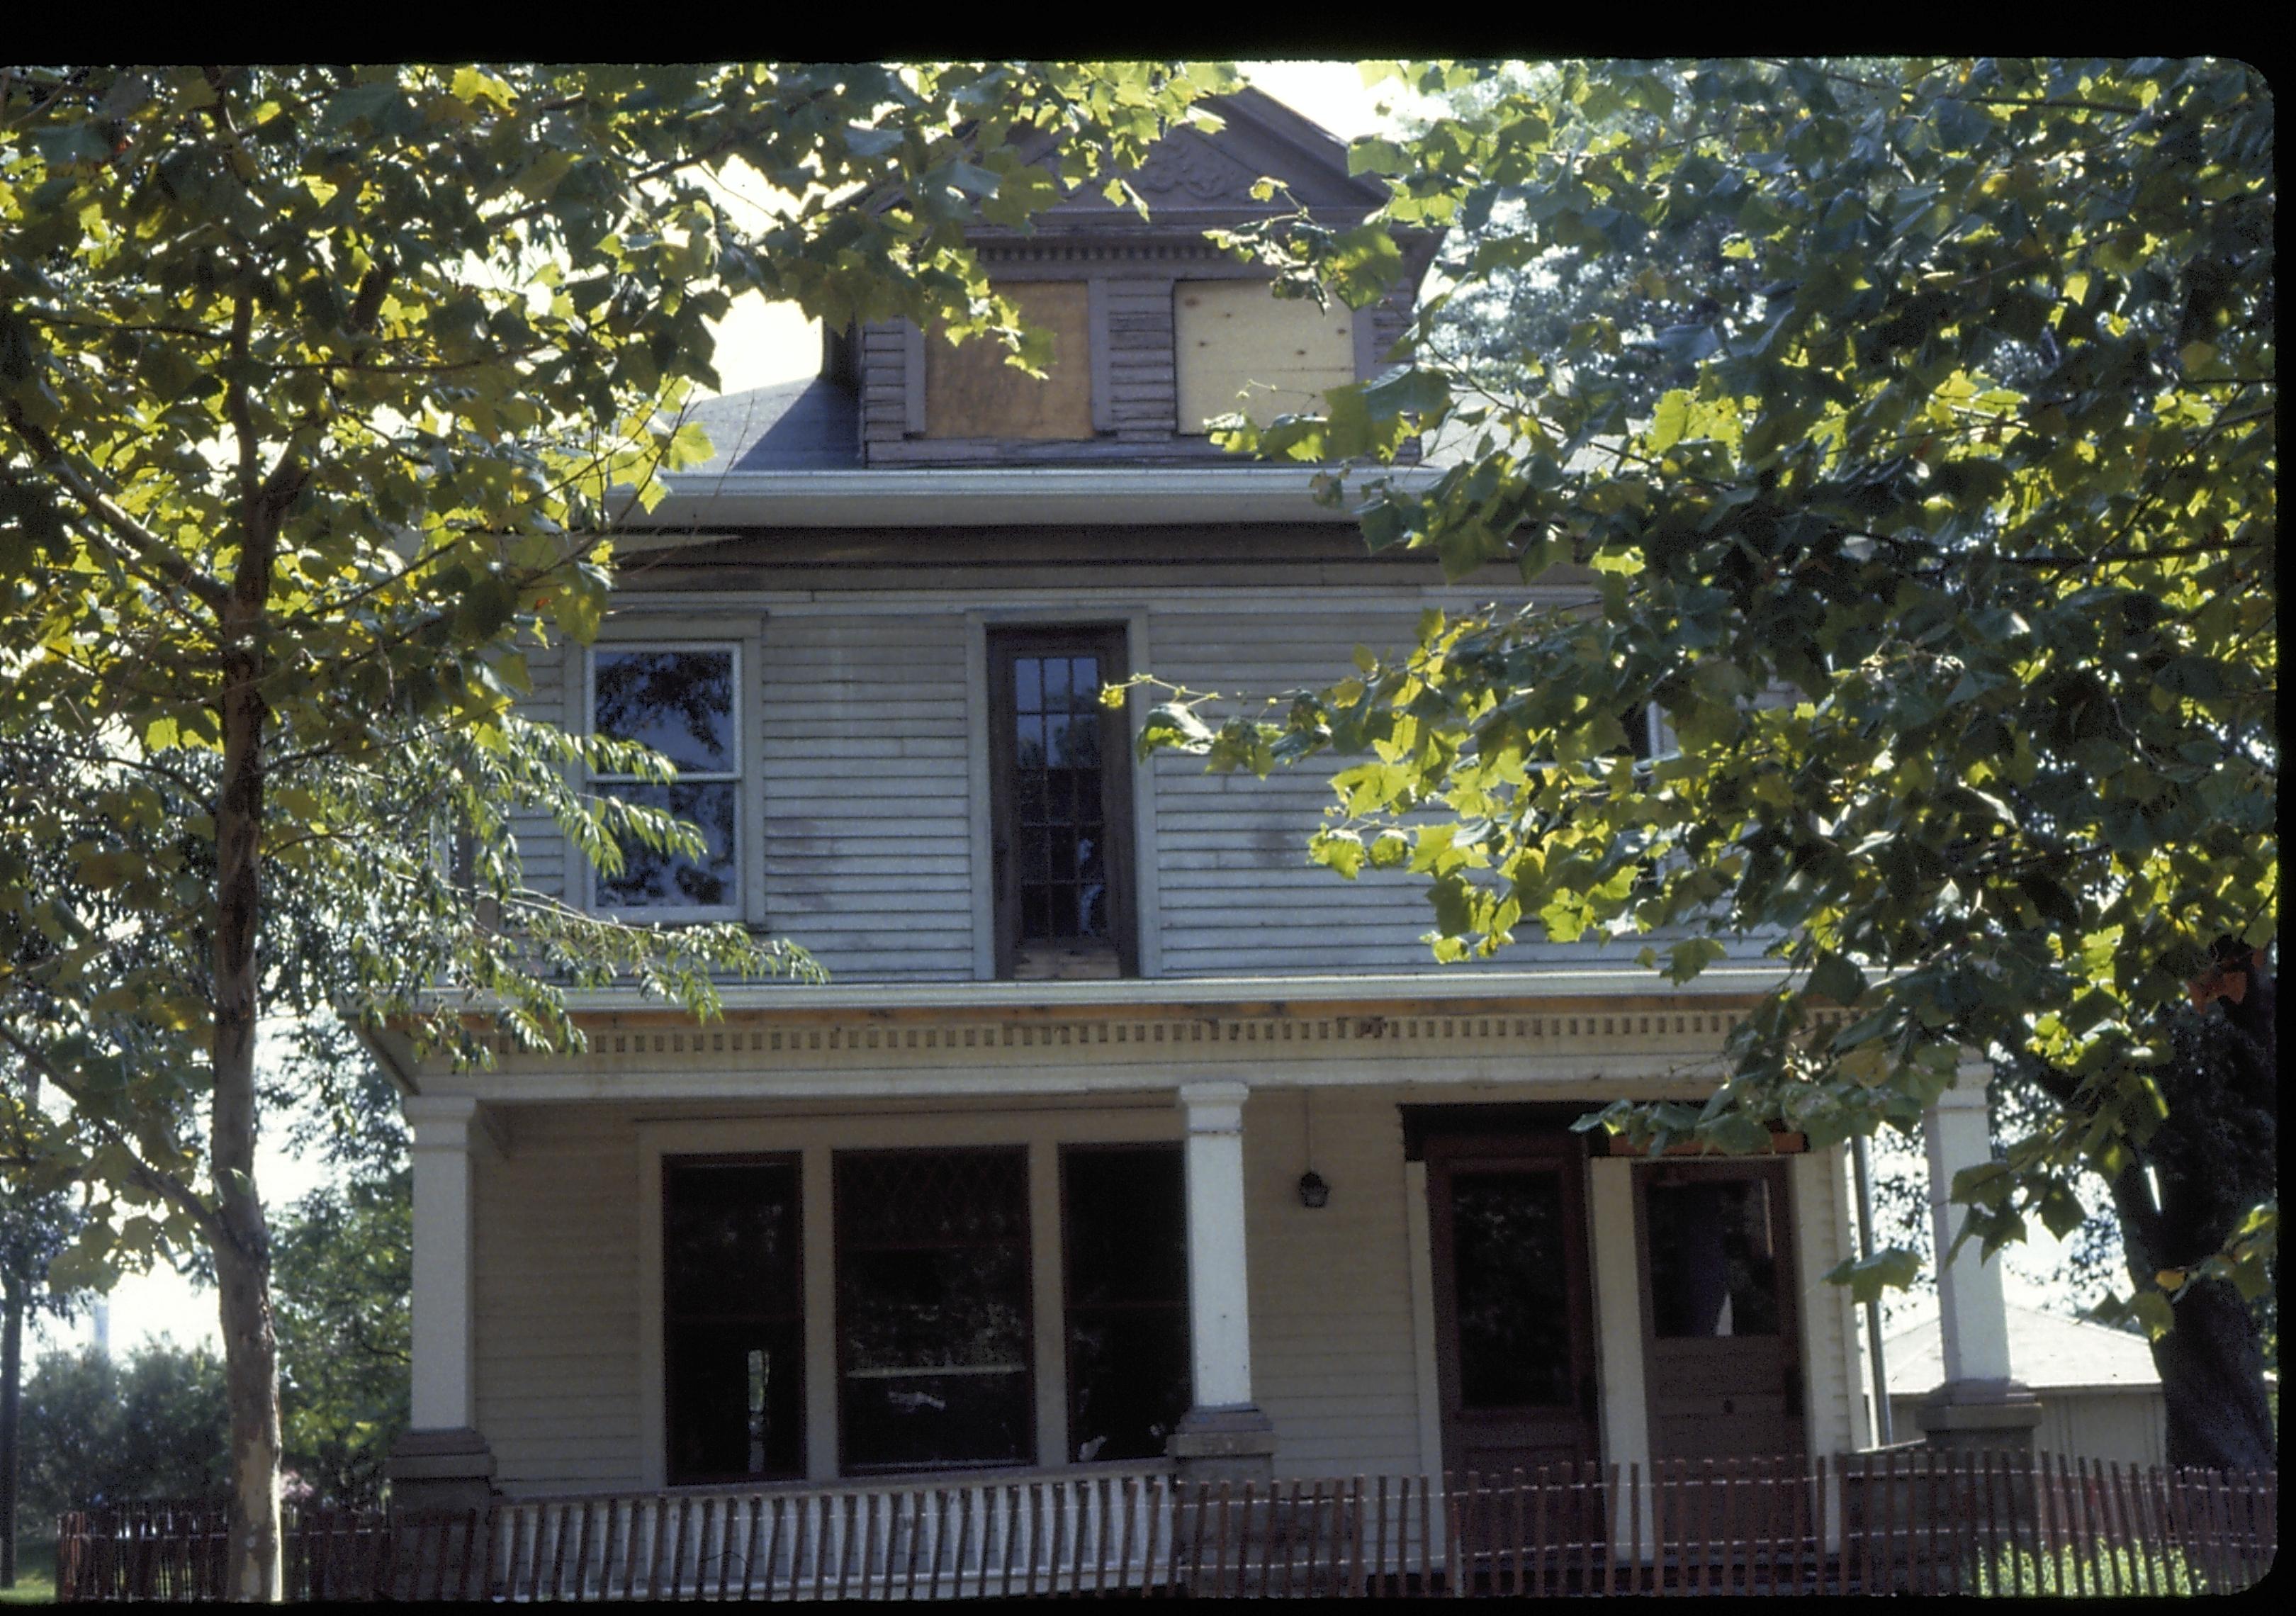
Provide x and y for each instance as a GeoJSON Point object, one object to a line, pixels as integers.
{"type": "Point", "coordinates": [1223, 1435]}
{"type": "Point", "coordinates": [1980, 1404]}
{"type": "Point", "coordinates": [442, 1462]}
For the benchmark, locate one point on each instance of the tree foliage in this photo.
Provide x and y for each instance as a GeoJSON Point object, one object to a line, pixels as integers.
{"type": "Point", "coordinates": [152, 1423]}
{"type": "Point", "coordinates": [343, 1258]}
{"type": "Point", "coordinates": [321, 391]}
{"type": "Point", "coordinates": [1950, 568]}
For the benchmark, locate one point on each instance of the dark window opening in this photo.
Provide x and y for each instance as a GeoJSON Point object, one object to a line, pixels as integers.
{"type": "Point", "coordinates": [1061, 770]}
{"type": "Point", "coordinates": [933, 1323]}
{"type": "Point", "coordinates": [732, 1332]}
{"type": "Point", "coordinates": [1126, 1249]}
{"type": "Point", "coordinates": [1713, 1256]}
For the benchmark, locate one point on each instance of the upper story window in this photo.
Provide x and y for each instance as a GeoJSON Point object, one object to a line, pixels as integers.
{"type": "Point", "coordinates": [1060, 807]}
{"type": "Point", "coordinates": [970, 391]}
{"type": "Point", "coordinates": [683, 701]}
{"type": "Point", "coordinates": [1237, 347]}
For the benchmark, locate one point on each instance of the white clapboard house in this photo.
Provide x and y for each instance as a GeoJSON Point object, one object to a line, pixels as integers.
{"type": "Point", "coordinates": [1121, 1135]}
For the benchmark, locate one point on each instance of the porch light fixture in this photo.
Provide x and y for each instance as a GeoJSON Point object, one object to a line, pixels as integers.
{"type": "Point", "coordinates": [1313, 1191]}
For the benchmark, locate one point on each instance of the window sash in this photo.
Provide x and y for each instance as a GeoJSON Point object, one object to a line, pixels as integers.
{"type": "Point", "coordinates": [733, 775]}
{"type": "Point", "coordinates": [869, 1395]}
{"type": "Point", "coordinates": [1010, 835]}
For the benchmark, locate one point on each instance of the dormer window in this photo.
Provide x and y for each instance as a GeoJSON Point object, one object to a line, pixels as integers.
{"type": "Point", "coordinates": [682, 702]}
{"type": "Point", "coordinates": [1239, 348]}
{"type": "Point", "coordinates": [970, 391]}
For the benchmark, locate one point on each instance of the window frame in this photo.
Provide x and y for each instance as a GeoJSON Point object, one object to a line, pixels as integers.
{"type": "Point", "coordinates": [1110, 642]}
{"type": "Point", "coordinates": [840, 1244]}
{"type": "Point", "coordinates": [669, 1163]}
{"type": "Point", "coordinates": [737, 776]}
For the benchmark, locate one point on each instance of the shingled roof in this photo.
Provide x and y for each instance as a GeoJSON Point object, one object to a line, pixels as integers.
{"type": "Point", "coordinates": [2046, 1351]}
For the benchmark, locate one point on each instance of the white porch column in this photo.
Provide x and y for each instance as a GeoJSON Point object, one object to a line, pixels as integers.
{"type": "Point", "coordinates": [442, 1460]}
{"type": "Point", "coordinates": [1980, 1404]}
{"type": "Point", "coordinates": [1224, 1434]}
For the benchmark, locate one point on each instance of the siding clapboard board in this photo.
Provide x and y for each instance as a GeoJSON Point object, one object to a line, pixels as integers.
{"type": "Point", "coordinates": [867, 821]}
{"type": "Point", "coordinates": [555, 1275]}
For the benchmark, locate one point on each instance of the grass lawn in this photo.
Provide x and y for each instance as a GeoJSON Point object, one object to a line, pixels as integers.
{"type": "Point", "coordinates": [36, 1575]}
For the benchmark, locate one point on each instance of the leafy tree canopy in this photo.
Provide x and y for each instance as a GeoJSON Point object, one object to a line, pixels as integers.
{"type": "Point", "coordinates": [321, 391]}
{"type": "Point", "coordinates": [1950, 566]}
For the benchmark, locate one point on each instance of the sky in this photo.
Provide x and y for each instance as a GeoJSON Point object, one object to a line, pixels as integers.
{"type": "Point", "coordinates": [759, 344]}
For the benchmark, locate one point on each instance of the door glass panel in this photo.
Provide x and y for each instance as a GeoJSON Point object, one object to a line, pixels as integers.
{"type": "Point", "coordinates": [1061, 831]}
{"type": "Point", "coordinates": [1512, 1296]}
{"type": "Point", "coordinates": [1713, 1256]}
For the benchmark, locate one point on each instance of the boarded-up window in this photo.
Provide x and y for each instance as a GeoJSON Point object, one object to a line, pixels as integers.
{"type": "Point", "coordinates": [971, 392]}
{"type": "Point", "coordinates": [1241, 347]}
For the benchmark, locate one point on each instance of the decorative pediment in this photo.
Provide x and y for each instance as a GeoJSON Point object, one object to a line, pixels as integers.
{"type": "Point", "coordinates": [1193, 177]}
{"type": "Point", "coordinates": [1187, 169]}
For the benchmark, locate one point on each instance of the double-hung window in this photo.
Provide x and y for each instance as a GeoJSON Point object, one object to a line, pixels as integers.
{"type": "Point", "coordinates": [684, 701]}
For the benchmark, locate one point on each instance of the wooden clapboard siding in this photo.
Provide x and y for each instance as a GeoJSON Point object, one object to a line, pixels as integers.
{"type": "Point", "coordinates": [867, 796]}
{"type": "Point", "coordinates": [556, 1281]}
{"type": "Point", "coordinates": [542, 848]}
{"type": "Point", "coordinates": [1139, 370]}
{"type": "Point", "coordinates": [1830, 1363]}
{"type": "Point", "coordinates": [1238, 893]}
{"type": "Point", "coordinates": [1332, 1344]}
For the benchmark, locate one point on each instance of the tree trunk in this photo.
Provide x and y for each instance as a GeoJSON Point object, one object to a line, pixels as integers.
{"type": "Point", "coordinates": [2214, 1158]}
{"type": "Point", "coordinates": [243, 1242]}
{"type": "Point", "coordinates": [242, 1250]}
{"type": "Point", "coordinates": [11, 1405]}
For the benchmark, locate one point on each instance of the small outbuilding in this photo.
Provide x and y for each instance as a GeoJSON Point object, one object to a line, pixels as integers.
{"type": "Point", "coordinates": [2100, 1397]}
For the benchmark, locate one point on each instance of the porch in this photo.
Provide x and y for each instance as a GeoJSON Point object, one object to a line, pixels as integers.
{"type": "Point", "coordinates": [1907, 1520]}
{"type": "Point", "coordinates": [1262, 1240]}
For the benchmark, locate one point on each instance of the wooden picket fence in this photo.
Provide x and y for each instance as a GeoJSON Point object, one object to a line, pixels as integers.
{"type": "Point", "coordinates": [1907, 1520]}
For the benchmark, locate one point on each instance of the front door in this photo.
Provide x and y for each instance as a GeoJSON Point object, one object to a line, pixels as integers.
{"type": "Point", "coordinates": [1721, 1339]}
{"type": "Point", "coordinates": [1513, 1325]}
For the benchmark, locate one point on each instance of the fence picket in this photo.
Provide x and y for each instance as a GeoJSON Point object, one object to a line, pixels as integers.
{"type": "Point", "coordinates": [1918, 1521]}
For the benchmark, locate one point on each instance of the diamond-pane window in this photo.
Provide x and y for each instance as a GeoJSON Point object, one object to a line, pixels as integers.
{"type": "Point", "coordinates": [933, 1334]}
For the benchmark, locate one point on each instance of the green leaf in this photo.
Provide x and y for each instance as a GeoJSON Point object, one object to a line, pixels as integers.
{"type": "Point", "coordinates": [1893, 1267]}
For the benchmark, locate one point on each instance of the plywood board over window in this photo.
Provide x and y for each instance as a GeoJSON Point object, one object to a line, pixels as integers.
{"type": "Point", "coordinates": [1241, 347]}
{"type": "Point", "coordinates": [971, 392]}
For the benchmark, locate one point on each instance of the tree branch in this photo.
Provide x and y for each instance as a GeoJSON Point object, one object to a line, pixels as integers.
{"type": "Point", "coordinates": [143, 545]}
{"type": "Point", "coordinates": [164, 1185]}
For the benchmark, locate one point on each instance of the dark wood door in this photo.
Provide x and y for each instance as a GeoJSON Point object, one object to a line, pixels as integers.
{"type": "Point", "coordinates": [1721, 1331]}
{"type": "Point", "coordinates": [1514, 1324]}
